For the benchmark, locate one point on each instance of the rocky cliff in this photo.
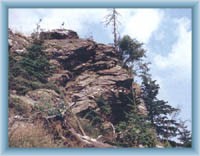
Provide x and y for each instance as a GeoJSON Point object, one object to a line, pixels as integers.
{"type": "Point", "coordinates": [91, 93]}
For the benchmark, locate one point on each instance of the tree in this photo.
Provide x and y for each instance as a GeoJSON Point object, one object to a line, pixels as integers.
{"type": "Point", "coordinates": [111, 19]}
{"type": "Point", "coordinates": [185, 135]}
{"type": "Point", "coordinates": [131, 54]}
{"type": "Point", "coordinates": [158, 110]}
{"type": "Point", "coordinates": [131, 49]}
{"type": "Point", "coordinates": [36, 33]}
{"type": "Point", "coordinates": [135, 130]}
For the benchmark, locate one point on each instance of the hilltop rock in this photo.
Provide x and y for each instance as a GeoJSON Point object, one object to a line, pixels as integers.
{"type": "Point", "coordinates": [86, 72]}
{"type": "Point", "coordinates": [17, 42]}
{"type": "Point", "coordinates": [58, 34]}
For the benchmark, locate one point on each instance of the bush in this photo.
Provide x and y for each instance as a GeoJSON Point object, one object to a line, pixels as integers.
{"type": "Point", "coordinates": [104, 106]}
{"type": "Point", "coordinates": [31, 71]}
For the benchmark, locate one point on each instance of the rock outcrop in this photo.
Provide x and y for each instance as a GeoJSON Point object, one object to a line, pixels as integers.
{"type": "Point", "coordinates": [87, 72]}
{"type": "Point", "coordinates": [17, 43]}
{"type": "Point", "coordinates": [58, 34]}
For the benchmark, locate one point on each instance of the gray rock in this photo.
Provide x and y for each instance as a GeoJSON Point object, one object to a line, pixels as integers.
{"type": "Point", "coordinates": [58, 34]}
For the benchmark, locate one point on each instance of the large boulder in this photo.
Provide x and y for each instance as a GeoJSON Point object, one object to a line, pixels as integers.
{"type": "Point", "coordinates": [58, 34]}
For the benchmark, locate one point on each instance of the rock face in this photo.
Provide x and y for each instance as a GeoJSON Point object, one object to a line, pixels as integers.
{"type": "Point", "coordinates": [58, 34]}
{"type": "Point", "coordinates": [87, 70]}
{"type": "Point", "coordinates": [17, 42]}
{"type": "Point", "coordinates": [88, 73]}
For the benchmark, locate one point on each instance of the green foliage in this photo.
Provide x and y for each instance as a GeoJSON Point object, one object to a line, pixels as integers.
{"type": "Point", "coordinates": [94, 117]}
{"type": "Point", "coordinates": [48, 109]}
{"type": "Point", "coordinates": [135, 130]}
{"type": "Point", "coordinates": [158, 110]}
{"type": "Point", "coordinates": [30, 71]}
{"type": "Point", "coordinates": [36, 63]}
{"type": "Point", "coordinates": [131, 50]}
{"type": "Point", "coordinates": [185, 135]}
{"type": "Point", "coordinates": [104, 106]}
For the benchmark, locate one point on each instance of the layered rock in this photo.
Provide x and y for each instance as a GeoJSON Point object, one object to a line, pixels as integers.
{"type": "Point", "coordinates": [17, 42]}
{"type": "Point", "coordinates": [58, 34]}
{"type": "Point", "coordinates": [86, 71]}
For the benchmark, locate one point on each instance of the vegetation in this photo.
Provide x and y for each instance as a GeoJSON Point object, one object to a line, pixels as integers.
{"type": "Point", "coordinates": [125, 125]}
{"type": "Point", "coordinates": [29, 136]}
{"type": "Point", "coordinates": [159, 119]}
{"type": "Point", "coordinates": [159, 111]}
{"type": "Point", "coordinates": [185, 136]}
{"type": "Point", "coordinates": [30, 71]}
{"type": "Point", "coordinates": [135, 130]}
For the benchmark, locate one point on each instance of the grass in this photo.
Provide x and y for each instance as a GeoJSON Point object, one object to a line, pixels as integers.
{"type": "Point", "coordinates": [27, 135]}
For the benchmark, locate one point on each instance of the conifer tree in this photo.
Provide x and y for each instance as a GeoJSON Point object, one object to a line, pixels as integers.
{"type": "Point", "coordinates": [131, 54]}
{"type": "Point", "coordinates": [158, 110]}
{"type": "Point", "coordinates": [132, 48]}
{"type": "Point", "coordinates": [185, 135]}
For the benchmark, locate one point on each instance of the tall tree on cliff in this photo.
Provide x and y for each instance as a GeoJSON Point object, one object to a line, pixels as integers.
{"type": "Point", "coordinates": [131, 53]}
{"type": "Point", "coordinates": [159, 112]}
{"type": "Point", "coordinates": [185, 136]}
{"type": "Point", "coordinates": [112, 19]}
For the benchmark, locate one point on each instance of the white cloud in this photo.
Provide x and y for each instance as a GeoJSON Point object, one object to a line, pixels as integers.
{"type": "Point", "coordinates": [173, 71]}
{"type": "Point", "coordinates": [24, 20]}
{"type": "Point", "coordinates": [180, 56]}
{"type": "Point", "coordinates": [141, 23]}
{"type": "Point", "coordinates": [138, 23]}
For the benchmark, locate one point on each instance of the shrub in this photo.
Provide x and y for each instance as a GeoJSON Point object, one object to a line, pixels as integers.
{"type": "Point", "coordinates": [103, 105]}
{"type": "Point", "coordinates": [31, 71]}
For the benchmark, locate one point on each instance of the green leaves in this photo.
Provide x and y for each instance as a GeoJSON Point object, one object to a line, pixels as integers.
{"type": "Point", "coordinates": [131, 49]}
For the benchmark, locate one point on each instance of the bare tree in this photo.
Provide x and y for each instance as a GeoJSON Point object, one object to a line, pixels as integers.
{"type": "Point", "coordinates": [62, 25]}
{"type": "Point", "coordinates": [111, 19]}
{"type": "Point", "coordinates": [36, 33]}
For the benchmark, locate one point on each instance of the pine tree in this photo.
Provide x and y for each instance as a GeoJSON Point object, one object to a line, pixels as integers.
{"type": "Point", "coordinates": [135, 130]}
{"type": "Point", "coordinates": [131, 51]}
{"type": "Point", "coordinates": [185, 135]}
{"type": "Point", "coordinates": [158, 110]}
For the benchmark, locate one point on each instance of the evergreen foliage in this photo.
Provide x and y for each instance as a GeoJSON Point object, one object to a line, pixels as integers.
{"type": "Point", "coordinates": [36, 63]}
{"type": "Point", "coordinates": [158, 110]}
{"type": "Point", "coordinates": [30, 71]}
{"type": "Point", "coordinates": [135, 129]}
{"type": "Point", "coordinates": [185, 135]}
{"type": "Point", "coordinates": [130, 50]}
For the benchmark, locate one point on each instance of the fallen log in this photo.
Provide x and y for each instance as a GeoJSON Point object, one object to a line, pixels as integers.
{"type": "Point", "coordinates": [90, 141]}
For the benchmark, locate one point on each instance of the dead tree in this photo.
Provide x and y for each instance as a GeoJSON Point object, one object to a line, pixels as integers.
{"type": "Point", "coordinates": [111, 19]}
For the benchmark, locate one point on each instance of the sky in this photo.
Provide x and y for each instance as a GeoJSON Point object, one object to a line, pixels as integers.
{"type": "Point", "coordinates": [166, 34]}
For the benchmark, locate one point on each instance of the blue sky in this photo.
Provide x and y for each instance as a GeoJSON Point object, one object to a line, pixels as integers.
{"type": "Point", "coordinates": [166, 34]}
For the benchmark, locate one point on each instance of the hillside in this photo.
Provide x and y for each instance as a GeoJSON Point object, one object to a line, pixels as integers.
{"type": "Point", "coordinates": [65, 91]}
